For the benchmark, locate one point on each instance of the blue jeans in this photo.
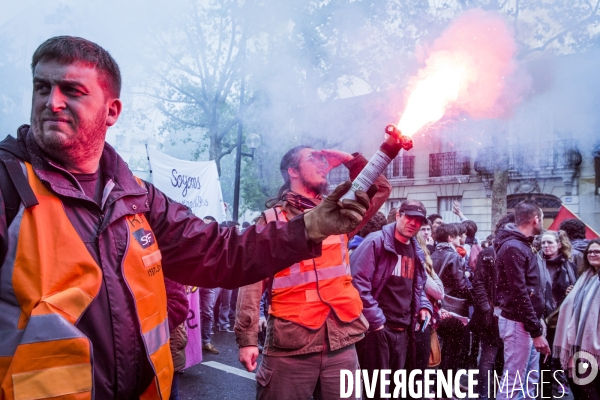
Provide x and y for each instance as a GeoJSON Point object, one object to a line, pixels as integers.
{"type": "Point", "coordinates": [174, 388]}
{"type": "Point", "coordinates": [487, 360]}
{"type": "Point", "coordinates": [223, 296]}
{"type": "Point", "coordinates": [206, 313]}
{"type": "Point", "coordinates": [519, 357]}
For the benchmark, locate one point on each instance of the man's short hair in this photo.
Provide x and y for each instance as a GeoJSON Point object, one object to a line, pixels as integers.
{"type": "Point", "coordinates": [70, 49]}
{"type": "Point", "coordinates": [433, 217]}
{"type": "Point", "coordinates": [574, 228]}
{"type": "Point", "coordinates": [526, 211]}
{"type": "Point", "coordinates": [210, 218]}
{"type": "Point", "coordinates": [503, 221]}
{"type": "Point", "coordinates": [460, 228]}
{"type": "Point", "coordinates": [444, 231]}
{"type": "Point", "coordinates": [471, 228]}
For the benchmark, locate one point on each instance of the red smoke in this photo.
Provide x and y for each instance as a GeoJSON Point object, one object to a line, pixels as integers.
{"type": "Point", "coordinates": [470, 68]}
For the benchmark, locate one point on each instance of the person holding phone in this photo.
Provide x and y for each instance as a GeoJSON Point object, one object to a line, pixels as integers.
{"type": "Point", "coordinates": [388, 272]}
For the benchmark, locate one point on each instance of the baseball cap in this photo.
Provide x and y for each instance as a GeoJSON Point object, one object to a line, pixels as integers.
{"type": "Point", "coordinates": [413, 210]}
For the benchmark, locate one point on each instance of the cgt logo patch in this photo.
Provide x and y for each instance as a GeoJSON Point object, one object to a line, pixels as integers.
{"type": "Point", "coordinates": [144, 238]}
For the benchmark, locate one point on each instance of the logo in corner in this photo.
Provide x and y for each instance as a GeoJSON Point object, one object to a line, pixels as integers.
{"type": "Point", "coordinates": [144, 238]}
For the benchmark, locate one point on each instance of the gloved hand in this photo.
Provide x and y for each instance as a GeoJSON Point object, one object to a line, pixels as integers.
{"type": "Point", "coordinates": [333, 217]}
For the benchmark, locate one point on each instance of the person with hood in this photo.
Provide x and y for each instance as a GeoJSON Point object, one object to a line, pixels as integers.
{"type": "Point", "coordinates": [560, 276]}
{"type": "Point", "coordinates": [575, 230]}
{"type": "Point", "coordinates": [388, 270]}
{"type": "Point", "coordinates": [521, 301]}
{"type": "Point", "coordinates": [484, 322]}
{"type": "Point", "coordinates": [84, 244]}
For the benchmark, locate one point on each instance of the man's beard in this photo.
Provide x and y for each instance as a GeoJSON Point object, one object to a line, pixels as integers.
{"type": "Point", "coordinates": [321, 189]}
{"type": "Point", "coordinates": [83, 146]}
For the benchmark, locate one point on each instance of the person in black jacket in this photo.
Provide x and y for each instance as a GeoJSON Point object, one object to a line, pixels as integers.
{"type": "Point", "coordinates": [521, 300]}
{"type": "Point", "coordinates": [449, 266]}
{"type": "Point", "coordinates": [483, 321]}
{"type": "Point", "coordinates": [447, 260]}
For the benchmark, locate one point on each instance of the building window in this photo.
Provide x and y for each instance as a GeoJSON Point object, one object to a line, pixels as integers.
{"type": "Point", "coordinates": [445, 208]}
{"type": "Point", "coordinates": [448, 164]}
{"type": "Point", "coordinates": [393, 203]}
{"type": "Point", "coordinates": [402, 167]}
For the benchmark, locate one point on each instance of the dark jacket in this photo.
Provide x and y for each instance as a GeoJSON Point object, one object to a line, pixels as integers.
{"type": "Point", "coordinates": [456, 284]}
{"type": "Point", "coordinates": [373, 262]}
{"type": "Point", "coordinates": [484, 296]}
{"type": "Point", "coordinates": [193, 253]}
{"type": "Point", "coordinates": [520, 289]}
{"type": "Point", "coordinates": [561, 274]}
{"type": "Point", "coordinates": [579, 246]}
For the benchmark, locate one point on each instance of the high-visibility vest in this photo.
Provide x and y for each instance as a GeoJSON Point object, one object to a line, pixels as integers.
{"type": "Point", "coordinates": [48, 280]}
{"type": "Point", "coordinates": [306, 292]}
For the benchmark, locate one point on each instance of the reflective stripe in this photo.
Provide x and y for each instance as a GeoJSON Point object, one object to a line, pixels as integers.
{"type": "Point", "coordinates": [43, 328]}
{"type": "Point", "coordinates": [52, 382]}
{"type": "Point", "coordinates": [7, 292]}
{"type": "Point", "coordinates": [152, 259]}
{"type": "Point", "coordinates": [308, 277]}
{"type": "Point", "coordinates": [344, 247]}
{"type": "Point", "coordinates": [10, 310]}
{"type": "Point", "coordinates": [157, 337]}
{"type": "Point", "coordinates": [294, 269]}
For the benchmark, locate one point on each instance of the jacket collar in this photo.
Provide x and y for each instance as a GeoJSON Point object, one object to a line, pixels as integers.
{"type": "Point", "coordinates": [388, 242]}
{"type": "Point", "coordinates": [62, 182]}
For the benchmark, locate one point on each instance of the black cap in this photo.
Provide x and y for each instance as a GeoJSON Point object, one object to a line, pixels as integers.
{"type": "Point", "coordinates": [413, 210]}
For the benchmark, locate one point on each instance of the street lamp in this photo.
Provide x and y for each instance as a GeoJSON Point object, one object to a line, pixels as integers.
{"type": "Point", "coordinates": [252, 142]}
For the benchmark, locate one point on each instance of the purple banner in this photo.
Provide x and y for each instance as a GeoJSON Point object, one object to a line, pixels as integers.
{"type": "Point", "coordinates": [193, 350]}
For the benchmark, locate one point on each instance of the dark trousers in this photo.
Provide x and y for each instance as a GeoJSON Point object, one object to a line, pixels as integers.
{"type": "Point", "coordinates": [455, 344]}
{"type": "Point", "coordinates": [418, 353]}
{"type": "Point", "coordinates": [174, 388]}
{"type": "Point", "coordinates": [382, 349]}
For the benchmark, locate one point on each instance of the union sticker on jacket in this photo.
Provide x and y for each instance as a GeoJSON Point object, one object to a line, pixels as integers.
{"type": "Point", "coordinates": [405, 267]}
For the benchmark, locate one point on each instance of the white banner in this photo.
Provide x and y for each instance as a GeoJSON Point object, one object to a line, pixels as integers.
{"type": "Point", "coordinates": [192, 183]}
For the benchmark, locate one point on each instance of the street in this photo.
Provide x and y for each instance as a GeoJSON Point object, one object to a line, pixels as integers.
{"type": "Point", "coordinates": [219, 376]}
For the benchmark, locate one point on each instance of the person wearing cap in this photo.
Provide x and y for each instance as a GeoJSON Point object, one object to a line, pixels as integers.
{"type": "Point", "coordinates": [388, 272]}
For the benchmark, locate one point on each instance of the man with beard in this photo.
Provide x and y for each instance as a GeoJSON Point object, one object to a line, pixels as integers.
{"type": "Point", "coordinates": [521, 300]}
{"type": "Point", "coordinates": [315, 314]}
{"type": "Point", "coordinates": [575, 230]}
{"type": "Point", "coordinates": [85, 246]}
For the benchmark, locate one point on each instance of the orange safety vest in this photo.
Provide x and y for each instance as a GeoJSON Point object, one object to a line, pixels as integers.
{"type": "Point", "coordinates": [47, 281]}
{"type": "Point", "coordinates": [307, 291]}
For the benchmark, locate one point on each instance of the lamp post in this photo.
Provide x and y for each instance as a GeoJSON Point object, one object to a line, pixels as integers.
{"type": "Point", "coordinates": [252, 142]}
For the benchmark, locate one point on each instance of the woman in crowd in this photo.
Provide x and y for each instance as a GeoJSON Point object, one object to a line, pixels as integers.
{"type": "Point", "coordinates": [434, 289]}
{"type": "Point", "coordinates": [556, 264]}
{"type": "Point", "coordinates": [579, 324]}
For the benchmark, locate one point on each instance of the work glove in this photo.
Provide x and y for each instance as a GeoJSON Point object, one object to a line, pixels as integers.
{"type": "Point", "coordinates": [333, 217]}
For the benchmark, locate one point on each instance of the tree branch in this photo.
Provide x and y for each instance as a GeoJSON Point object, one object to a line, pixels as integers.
{"type": "Point", "coordinates": [227, 128]}
{"type": "Point", "coordinates": [182, 121]}
{"type": "Point", "coordinates": [228, 151]}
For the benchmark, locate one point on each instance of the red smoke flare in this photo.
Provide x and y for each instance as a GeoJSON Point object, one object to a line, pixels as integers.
{"type": "Point", "coordinates": [470, 68]}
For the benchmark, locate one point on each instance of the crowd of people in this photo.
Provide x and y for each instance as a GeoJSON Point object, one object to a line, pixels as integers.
{"type": "Point", "coordinates": [94, 264]}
